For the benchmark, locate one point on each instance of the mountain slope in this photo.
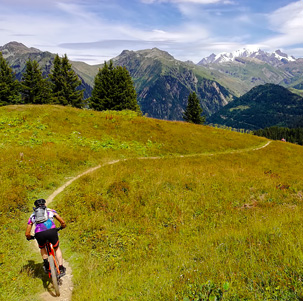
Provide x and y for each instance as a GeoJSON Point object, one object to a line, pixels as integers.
{"type": "Point", "coordinates": [249, 68]}
{"type": "Point", "coordinates": [186, 210]}
{"type": "Point", "coordinates": [263, 106]}
{"type": "Point", "coordinates": [17, 54]}
{"type": "Point", "coordinates": [162, 83]}
{"type": "Point", "coordinates": [275, 58]}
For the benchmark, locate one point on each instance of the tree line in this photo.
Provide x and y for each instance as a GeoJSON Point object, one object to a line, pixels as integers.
{"type": "Point", "coordinates": [113, 88]}
{"type": "Point", "coordinates": [293, 135]}
{"type": "Point", "coordinates": [60, 87]}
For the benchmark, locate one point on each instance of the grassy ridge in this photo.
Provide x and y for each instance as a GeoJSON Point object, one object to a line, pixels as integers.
{"type": "Point", "coordinates": [158, 223]}
{"type": "Point", "coordinates": [161, 229]}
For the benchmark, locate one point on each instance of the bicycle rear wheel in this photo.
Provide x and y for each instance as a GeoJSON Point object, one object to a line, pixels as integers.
{"type": "Point", "coordinates": [54, 275]}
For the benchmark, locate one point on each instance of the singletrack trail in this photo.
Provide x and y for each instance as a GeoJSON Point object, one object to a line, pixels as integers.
{"type": "Point", "coordinates": [67, 284]}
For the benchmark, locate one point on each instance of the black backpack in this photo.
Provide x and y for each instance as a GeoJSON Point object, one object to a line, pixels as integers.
{"type": "Point", "coordinates": [41, 214]}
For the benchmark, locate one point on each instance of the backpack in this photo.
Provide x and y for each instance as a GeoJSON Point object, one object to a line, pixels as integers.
{"type": "Point", "coordinates": [41, 214]}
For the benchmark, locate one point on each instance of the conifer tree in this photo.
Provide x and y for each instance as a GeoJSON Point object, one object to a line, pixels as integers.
{"type": "Point", "coordinates": [34, 88]}
{"type": "Point", "coordinates": [9, 85]}
{"type": "Point", "coordinates": [193, 110]}
{"type": "Point", "coordinates": [65, 83]}
{"type": "Point", "coordinates": [114, 90]}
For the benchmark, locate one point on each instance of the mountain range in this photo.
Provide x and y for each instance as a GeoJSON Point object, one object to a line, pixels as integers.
{"type": "Point", "coordinates": [249, 68]}
{"type": "Point", "coordinates": [275, 58]}
{"type": "Point", "coordinates": [164, 83]}
{"type": "Point", "coordinates": [263, 106]}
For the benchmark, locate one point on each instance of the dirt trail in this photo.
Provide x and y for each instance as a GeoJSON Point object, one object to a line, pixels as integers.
{"type": "Point", "coordinates": [66, 287]}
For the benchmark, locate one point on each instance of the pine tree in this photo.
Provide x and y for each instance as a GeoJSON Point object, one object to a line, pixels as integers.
{"type": "Point", "coordinates": [100, 99]}
{"type": "Point", "coordinates": [193, 110]}
{"type": "Point", "coordinates": [126, 96]}
{"type": "Point", "coordinates": [34, 88]}
{"type": "Point", "coordinates": [114, 90]}
{"type": "Point", "coordinates": [65, 83]}
{"type": "Point", "coordinates": [9, 86]}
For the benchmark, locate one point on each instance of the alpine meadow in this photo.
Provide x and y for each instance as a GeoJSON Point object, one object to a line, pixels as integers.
{"type": "Point", "coordinates": [174, 211]}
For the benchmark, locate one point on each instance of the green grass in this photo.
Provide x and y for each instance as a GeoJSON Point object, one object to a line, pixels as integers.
{"type": "Point", "coordinates": [152, 230]}
{"type": "Point", "coordinates": [221, 220]}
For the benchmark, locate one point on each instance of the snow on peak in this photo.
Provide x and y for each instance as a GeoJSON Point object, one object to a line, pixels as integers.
{"type": "Point", "coordinates": [280, 56]}
{"type": "Point", "coordinates": [249, 52]}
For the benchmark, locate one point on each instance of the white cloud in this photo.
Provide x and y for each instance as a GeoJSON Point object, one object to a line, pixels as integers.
{"type": "Point", "coordinates": [245, 19]}
{"type": "Point", "coordinates": [188, 33]}
{"type": "Point", "coordinates": [92, 28]}
{"type": "Point", "coordinates": [76, 11]}
{"type": "Point", "coordinates": [187, 1]}
{"type": "Point", "coordinates": [287, 22]}
{"type": "Point", "coordinates": [288, 18]}
{"type": "Point", "coordinates": [296, 52]}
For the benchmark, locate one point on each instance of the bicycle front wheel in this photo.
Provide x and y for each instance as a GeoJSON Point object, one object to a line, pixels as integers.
{"type": "Point", "coordinates": [54, 274]}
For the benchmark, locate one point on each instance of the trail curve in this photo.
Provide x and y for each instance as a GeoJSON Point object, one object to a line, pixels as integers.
{"type": "Point", "coordinates": [67, 285]}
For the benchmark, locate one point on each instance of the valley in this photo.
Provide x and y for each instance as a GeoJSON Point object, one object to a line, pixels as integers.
{"type": "Point", "coordinates": [164, 83]}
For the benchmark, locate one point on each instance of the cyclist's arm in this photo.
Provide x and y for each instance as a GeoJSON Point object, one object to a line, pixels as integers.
{"type": "Point", "coordinates": [28, 231]}
{"type": "Point", "coordinates": [60, 219]}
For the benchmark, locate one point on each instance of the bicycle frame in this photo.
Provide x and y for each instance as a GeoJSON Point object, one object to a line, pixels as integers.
{"type": "Point", "coordinates": [54, 272]}
{"type": "Point", "coordinates": [51, 252]}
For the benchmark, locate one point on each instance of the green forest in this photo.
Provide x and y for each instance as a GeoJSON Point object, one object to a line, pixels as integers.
{"type": "Point", "coordinates": [278, 133]}
{"type": "Point", "coordinates": [113, 89]}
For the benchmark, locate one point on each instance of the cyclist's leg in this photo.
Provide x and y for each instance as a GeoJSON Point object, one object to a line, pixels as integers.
{"type": "Point", "coordinates": [54, 239]}
{"type": "Point", "coordinates": [41, 239]}
{"type": "Point", "coordinates": [43, 253]}
{"type": "Point", "coordinates": [60, 261]}
{"type": "Point", "coordinates": [59, 255]}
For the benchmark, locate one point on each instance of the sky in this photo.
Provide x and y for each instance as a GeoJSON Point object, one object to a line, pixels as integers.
{"type": "Point", "coordinates": [93, 31]}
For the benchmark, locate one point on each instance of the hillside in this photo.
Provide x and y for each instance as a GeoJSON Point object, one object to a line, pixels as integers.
{"type": "Point", "coordinates": [247, 68]}
{"type": "Point", "coordinates": [17, 54]}
{"type": "Point", "coordinates": [162, 82]}
{"type": "Point", "coordinates": [246, 73]}
{"type": "Point", "coordinates": [263, 106]}
{"type": "Point", "coordinates": [182, 211]}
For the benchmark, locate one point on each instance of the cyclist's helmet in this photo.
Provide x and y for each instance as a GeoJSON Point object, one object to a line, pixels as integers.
{"type": "Point", "coordinates": [39, 202]}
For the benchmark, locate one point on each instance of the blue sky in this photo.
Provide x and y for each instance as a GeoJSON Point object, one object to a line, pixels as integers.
{"type": "Point", "coordinates": [96, 30]}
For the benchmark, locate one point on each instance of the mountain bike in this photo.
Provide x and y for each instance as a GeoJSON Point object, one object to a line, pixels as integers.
{"type": "Point", "coordinates": [54, 272]}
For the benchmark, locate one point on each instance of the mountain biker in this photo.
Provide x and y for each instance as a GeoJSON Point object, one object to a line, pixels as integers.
{"type": "Point", "coordinates": [46, 231]}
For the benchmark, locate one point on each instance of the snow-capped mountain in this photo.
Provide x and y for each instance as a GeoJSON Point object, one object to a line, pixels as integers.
{"type": "Point", "coordinates": [272, 58]}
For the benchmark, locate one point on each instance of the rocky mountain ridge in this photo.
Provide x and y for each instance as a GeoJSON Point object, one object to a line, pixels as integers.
{"type": "Point", "coordinates": [248, 68]}
{"type": "Point", "coordinates": [162, 82]}
{"type": "Point", "coordinates": [13, 49]}
{"type": "Point", "coordinates": [275, 58]}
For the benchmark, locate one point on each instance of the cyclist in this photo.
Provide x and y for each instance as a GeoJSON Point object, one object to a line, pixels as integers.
{"type": "Point", "coordinates": [46, 231]}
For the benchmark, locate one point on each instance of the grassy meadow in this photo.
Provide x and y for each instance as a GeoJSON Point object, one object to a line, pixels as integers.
{"type": "Point", "coordinates": [188, 213]}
